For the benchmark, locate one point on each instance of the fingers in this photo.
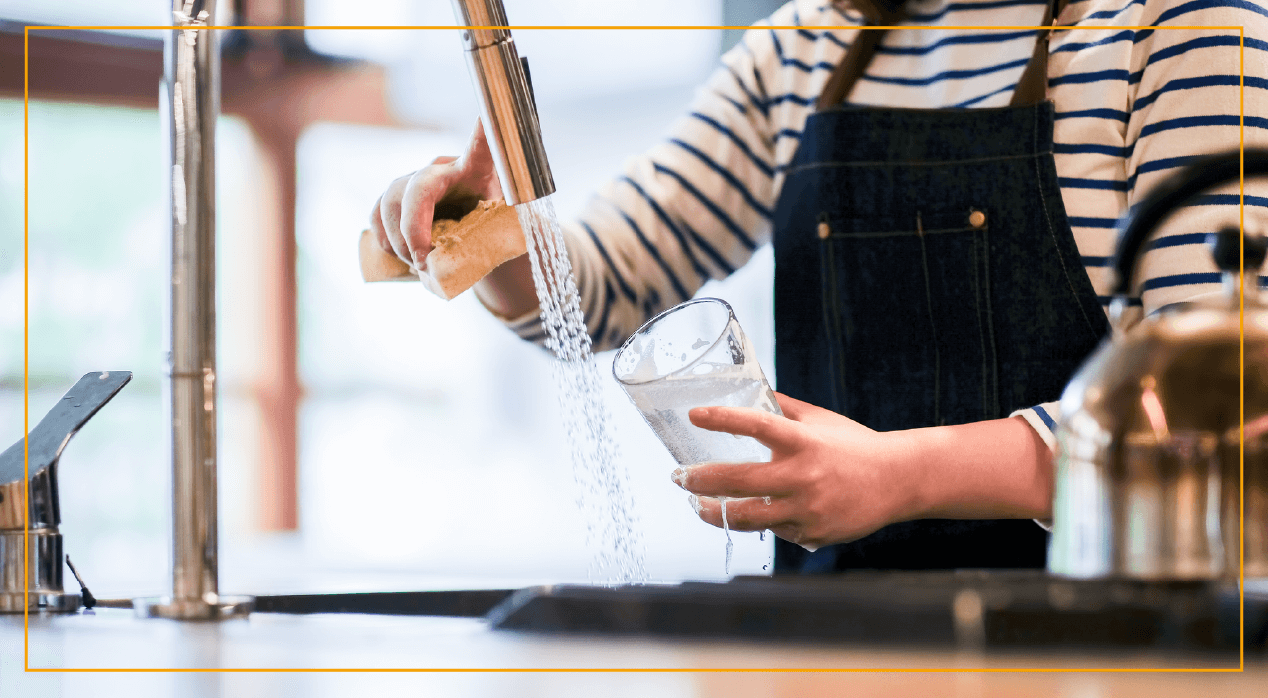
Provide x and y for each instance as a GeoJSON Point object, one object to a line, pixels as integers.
{"type": "Point", "coordinates": [471, 176]}
{"type": "Point", "coordinates": [773, 431]}
{"type": "Point", "coordinates": [418, 206]}
{"type": "Point", "coordinates": [376, 227]}
{"type": "Point", "coordinates": [755, 514]}
{"type": "Point", "coordinates": [389, 210]}
{"type": "Point", "coordinates": [402, 218]}
{"type": "Point", "coordinates": [751, 514]}
{"type": "Point", "coordinates": [735, 479]}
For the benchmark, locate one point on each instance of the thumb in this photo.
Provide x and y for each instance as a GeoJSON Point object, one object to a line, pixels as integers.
{"type": "Point", "coordinates": [793, 408]}
{"type": "Point", "coordinates": [477, 165]}
{"type": "Point", "coordinates": [478, 146]}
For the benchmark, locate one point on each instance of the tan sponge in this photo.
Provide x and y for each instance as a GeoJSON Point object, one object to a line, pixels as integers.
{"type": "Point", "coordinates": [463, 251]}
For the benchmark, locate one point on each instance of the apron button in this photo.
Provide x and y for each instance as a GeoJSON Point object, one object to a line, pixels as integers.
{"type": "Point", "coordinates": [824, 230]}
{"type": "Point", "coordinates": [977, 219]}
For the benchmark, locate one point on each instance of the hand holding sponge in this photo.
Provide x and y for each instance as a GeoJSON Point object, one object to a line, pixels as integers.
{"type": "Point", "coordinates": [463, 250]}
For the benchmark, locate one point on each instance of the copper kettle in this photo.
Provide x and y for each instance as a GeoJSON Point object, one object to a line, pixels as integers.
{"type": "Point", "coordinates": [1152, 459]}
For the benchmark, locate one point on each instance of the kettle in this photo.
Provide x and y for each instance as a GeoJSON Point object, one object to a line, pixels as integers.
{"type": "Point", "coordinates": [1165, 426]}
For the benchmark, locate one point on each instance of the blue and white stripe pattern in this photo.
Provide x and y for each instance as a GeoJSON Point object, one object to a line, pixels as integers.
{"type": "Point", "coordinates": [1132, 106]}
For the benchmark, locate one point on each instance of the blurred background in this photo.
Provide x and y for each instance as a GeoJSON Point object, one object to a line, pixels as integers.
{"type": "Point", "coordinates": [370, 436]}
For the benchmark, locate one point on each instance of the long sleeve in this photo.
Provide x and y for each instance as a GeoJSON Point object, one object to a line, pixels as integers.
{"type": "Point", "coordinates": [1136, 105]}
{"type": "Point", "coordinates": [1132, 106]}
{"type": "Point", "coordinates": [698, 205]}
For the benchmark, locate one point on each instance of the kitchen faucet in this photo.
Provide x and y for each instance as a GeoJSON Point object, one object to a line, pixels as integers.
{"type": "Point", "coordinates": [507, 109]}
{"type": "Point", "coordinates": [190, 103]}
{"type": "Point", "coordinates": [190, 106]}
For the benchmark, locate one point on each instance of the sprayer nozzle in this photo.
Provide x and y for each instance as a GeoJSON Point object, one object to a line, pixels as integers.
{"type": "Point", "coordinates": [506, 102]}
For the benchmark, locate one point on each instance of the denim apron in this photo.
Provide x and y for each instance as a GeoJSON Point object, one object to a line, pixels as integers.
{"type": "Point", "coordinates": [926, 274]}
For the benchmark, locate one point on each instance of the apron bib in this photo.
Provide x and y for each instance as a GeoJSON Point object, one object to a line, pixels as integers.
{"type": "Point", "coordinates": [925, 275]}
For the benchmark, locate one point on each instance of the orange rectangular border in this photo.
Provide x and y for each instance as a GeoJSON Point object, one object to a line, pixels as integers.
{"type": "Point", "coordinates": [27, 666]}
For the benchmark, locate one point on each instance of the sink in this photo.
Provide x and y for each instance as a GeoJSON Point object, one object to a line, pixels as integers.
{"type": "Point", "coordinates": [996, 609]}
{"type": "Point", "coordinates": [461, 603]}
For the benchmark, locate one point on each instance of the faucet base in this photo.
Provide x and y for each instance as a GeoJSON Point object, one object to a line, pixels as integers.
{"type": "Point", "coordinates": [40, 601]}
{"type": "Point", "coordinates": [224, 608]}
{"type": "Point", "coordinates": [39, 552]}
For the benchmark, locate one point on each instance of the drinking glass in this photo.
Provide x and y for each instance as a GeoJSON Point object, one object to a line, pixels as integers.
{"type": "Point", "coordinates": [694, 355]}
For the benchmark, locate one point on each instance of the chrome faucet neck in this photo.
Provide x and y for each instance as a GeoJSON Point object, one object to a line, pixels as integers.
{"type": "Point", "coordinates": [191, 105]}
{"type": "Point", "coordinates": [507, 107]}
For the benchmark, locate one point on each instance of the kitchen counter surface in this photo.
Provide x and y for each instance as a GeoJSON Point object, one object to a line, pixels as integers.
{"type": "Point", "coordinates": [452, 656]}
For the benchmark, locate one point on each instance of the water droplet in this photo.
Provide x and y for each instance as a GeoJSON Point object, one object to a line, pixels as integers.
{"type": "Point", "coordinates": [729, 545]}
{"type": "Point", "coordinates": [76, 405]}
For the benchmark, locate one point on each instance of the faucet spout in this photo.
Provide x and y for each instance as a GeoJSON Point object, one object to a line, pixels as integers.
{"type": "Point", "coordinates": [508, 111]}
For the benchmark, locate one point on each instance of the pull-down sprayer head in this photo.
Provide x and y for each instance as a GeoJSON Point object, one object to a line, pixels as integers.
{"type": "Point", "coordinates": [506, 102]}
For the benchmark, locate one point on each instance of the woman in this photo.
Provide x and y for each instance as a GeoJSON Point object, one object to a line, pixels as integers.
{"type": "Point", "coordinates": [941, 220]}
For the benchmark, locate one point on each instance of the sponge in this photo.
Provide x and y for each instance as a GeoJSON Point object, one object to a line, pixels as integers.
{"type": "Point", "coordinates": [463, 251]}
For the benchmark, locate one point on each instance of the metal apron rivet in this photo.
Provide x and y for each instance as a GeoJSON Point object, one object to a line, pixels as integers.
{"type": "Point", "coordinates": [977, 219]}
{"type": "Point", "coordinates": [824, 230]}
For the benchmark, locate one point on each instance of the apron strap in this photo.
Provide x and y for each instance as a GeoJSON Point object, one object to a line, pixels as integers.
{"type": "Point", "coordinates": [1033, 86]}
{"type": "Point", "coordinates": [860, 53]}
{"type": "Point", "coordinates": [1031, 89]}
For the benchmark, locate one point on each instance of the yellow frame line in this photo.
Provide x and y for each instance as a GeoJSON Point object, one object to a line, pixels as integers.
{"type": "Point", "coordinates": [25, 357]}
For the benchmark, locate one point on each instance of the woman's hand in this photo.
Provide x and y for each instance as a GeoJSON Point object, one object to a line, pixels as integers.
{"type": "Point", "coordinates": [402, 217]}
{"type": "Point", "coordinates": [833, 480]}
{"type": "Point", "coordinates": [829, 480]}
{"type": "Point", "coordinates": [449, 188]}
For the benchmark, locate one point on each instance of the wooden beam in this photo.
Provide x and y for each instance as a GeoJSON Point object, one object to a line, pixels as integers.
{"type": "Point", "coordinates": [92, 67]}
{"type": "Point", "coordinates": [276, 386]}
{"type": "Point", "coordinates": [82, 66]}
{"type": "Point", "coordinates": [265, 84]}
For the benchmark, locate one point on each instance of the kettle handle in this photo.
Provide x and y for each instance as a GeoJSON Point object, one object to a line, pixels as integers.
{"type": "Point", "coordinates": [1174, 192]}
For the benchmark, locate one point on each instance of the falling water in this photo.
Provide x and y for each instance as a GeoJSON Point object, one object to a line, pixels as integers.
{"type": "Point", "coordinates": [605, 499]}
{"type": "Point", "coordinates": [729, 545]}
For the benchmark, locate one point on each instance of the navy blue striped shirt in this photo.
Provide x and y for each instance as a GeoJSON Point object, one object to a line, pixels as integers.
{"type": "Point", "coordinates": [1132, 106]}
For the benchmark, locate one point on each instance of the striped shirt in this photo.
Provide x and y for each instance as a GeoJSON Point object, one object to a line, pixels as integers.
{"type": "Point", "coordinates": [1132, 105]}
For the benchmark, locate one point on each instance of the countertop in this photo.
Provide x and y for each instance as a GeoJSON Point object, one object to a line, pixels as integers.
{"type": "Point", "coordinates": [387, 655]}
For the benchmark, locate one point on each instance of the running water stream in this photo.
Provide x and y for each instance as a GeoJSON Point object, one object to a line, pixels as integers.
{"type": "Point", "coordinates": [605, 499]}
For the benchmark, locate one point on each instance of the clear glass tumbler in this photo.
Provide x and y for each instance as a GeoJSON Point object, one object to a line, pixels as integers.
{"type": "Point", "coordinates": [695, 355]}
